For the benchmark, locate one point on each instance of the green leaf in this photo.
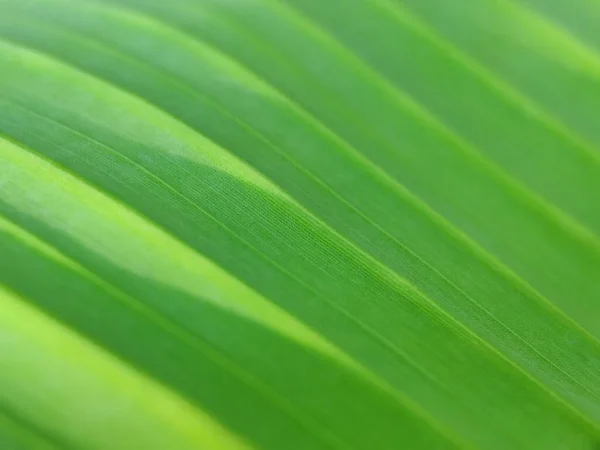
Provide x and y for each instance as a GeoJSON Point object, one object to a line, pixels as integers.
{"type": "Point", "coordinates": [299, 224]}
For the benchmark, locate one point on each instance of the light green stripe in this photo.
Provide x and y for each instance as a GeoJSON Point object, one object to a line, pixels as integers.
{"type": "Point", "coordinates": [69, 386]}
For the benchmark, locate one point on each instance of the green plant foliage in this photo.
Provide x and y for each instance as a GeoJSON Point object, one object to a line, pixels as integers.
{"type": "Point", "coordinates": [299, 224]}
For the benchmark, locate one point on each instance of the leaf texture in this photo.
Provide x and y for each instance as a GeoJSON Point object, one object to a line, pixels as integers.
{"type": "Point", "coordinates": [299, 224]}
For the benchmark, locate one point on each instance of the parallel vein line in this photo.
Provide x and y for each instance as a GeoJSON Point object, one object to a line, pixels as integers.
{"type": "Point", "coordinates": [348, 148]}
{"type": "Point", "coordinates": [442, 276]}
{"type": "Point", "coordinates": [559, 27]}
{"type": "Point", "coordinates": [406, 101]}
{"type": "Point", "coordinates": [296, 104]}
{"type": "Point", "coordinates": [432, 305]}
{"type": "Point", "coordinates": [181, 333]}
{"type": "Point", "coordinates": [403, 400]}
{"type": "Point", "coordinates": [493, 79]}
{"type": "Point", "coordinates": [401, 190]}
{"type": "Point", "coordinates": [512, 363]}
{"type": "Point", "coordinates": [26, 430]}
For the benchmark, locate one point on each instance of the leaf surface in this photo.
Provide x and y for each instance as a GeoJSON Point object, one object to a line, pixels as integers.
{"type": "Point", "coordinates": [299, 224]}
